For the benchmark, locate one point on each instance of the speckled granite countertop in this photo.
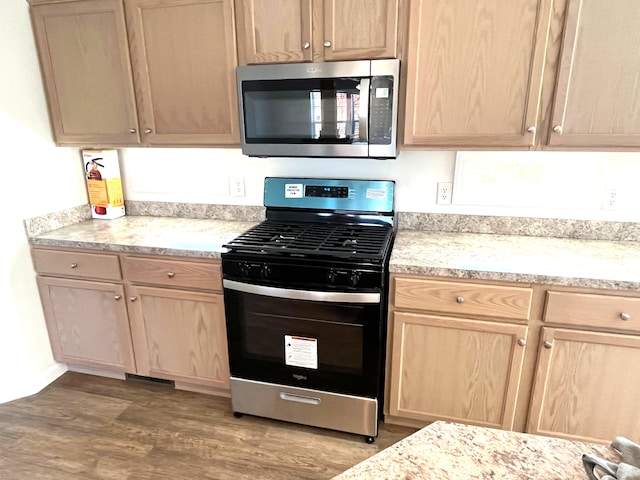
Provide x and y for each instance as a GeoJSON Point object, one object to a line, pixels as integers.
{"type": "Point", "coordinates": [518, 258]}
{"type": "Point", "coordinates": [154, 235]}
{"type": "Point", "coordinates": [450, 451]}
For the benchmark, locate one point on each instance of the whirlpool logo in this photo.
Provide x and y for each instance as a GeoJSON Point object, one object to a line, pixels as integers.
{"type": "Point", "coordinates": [299, 377]}
{"type": "Point", "coordinates": [314, 70]}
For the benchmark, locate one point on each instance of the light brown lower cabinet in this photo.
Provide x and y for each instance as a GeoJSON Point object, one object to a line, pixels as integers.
{"type": "Point", "coordinates": [169, 324]}
{"type": "Point", "coordinates": [179, 335]}
{"type": "Point", "coordinates": [455, 369]}
{"type": "Point", "coordinates": [87, 323]}
{"type": "Point", "coordinates": [587, 386]}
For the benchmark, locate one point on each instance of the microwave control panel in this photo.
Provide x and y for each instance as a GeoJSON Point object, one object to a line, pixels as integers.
{"type": "Point", "coordinates": [381, 110]}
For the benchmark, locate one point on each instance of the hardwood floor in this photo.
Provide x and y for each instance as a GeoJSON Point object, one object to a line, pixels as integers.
{"type": "Point", "coordinates": [87, 427]}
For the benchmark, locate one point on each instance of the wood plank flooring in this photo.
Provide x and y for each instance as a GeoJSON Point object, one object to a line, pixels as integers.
{"type": "Point", "coordinates": [86, 427]}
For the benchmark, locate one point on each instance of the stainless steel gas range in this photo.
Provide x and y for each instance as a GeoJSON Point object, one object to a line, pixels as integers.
{"type": "Point", "coordinates": [305, 296]}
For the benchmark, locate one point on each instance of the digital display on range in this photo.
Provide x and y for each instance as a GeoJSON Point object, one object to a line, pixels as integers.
{"type": "Point", "coordinates": [327, 192]}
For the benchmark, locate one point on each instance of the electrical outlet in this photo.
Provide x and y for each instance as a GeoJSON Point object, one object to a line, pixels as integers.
{"type": "Point", "coordinates": [236, 186]}
{"type": "Point", "coordinates": [611, 200]}
{"type": "Point", "coordinates": [445, 190]}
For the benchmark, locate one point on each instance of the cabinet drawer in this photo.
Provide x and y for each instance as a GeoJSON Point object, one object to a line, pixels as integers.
{"type": "Point", "coordinates": [605, 311]}
{"type": "Point", "coordinates": [77, 264]}
{"type": "Point", "coordinates": [174, 273]}
{"type": "Point", "coordinates": [463, 298]}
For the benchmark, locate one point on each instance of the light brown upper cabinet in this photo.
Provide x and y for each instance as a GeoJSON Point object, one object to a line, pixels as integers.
{"type": "Point", "coordinates": [280, 31]}
{"type": "Point", "coordinates": [183, 57]}
{"type": "Point", "coordinates": [474, 72]}
{"type": "Point", "coordinates": [597, 101]}
{"type": "Point", "coordinates": [85, 65]}
{"type": "Point", "coordinates": [131, 72]}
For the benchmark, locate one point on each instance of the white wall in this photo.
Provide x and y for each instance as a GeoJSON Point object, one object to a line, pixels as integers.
{"type": "Point", "coordinates": [38, 178]}
{"type": "Point", "coordinates": [531, 184]}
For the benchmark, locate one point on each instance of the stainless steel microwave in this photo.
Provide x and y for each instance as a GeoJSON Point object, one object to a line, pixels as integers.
{"type": "Point", "coordinates": [333, 109]}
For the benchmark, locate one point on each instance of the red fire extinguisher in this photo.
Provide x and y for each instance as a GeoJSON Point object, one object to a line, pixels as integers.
{"type": "Point", "coordinates": [94, 174]}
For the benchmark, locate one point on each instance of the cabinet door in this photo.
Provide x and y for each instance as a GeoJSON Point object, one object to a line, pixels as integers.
{"type": "Point", "coordinates": [474, 72]}
{"type": "Point", "coordinates": [273, 31]}
{"type": "Point", "coordinates": [354, 29]}
{"type": "Point", "coordinates": [587, 386]}
{"type": "Point", "coordinates": [456, 370]}
{"type": "Point", "coordinates": [87, 323]}
{"type": "Point", "coordinates": [87, 75]}
{"type": "Point", "coordinates": [597, 101]}
{"type": "Point", "coordinates": [183, 55]}
{"type": "Point", "coordinates": [180, 335]}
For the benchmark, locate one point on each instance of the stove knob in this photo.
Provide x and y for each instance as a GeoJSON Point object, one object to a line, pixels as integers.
{"type": "Point", "coordinates": [354, 278]}
{"type": "Point", "coordinates": [332, 276]}
{"type": "Point", "coordinates": [265, 271]}
{"type": "Point", "coordinates": [244, 269]}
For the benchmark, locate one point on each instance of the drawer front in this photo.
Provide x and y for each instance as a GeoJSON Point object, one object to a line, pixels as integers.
{"type": "Point", "coordinates": [72, 264]}
{"type": "Point", "coordinates": [603, 311]}
{"type": "Point", "coordinates": [467, 299]}
{"type": "Point", "coordinates": [173, 273]}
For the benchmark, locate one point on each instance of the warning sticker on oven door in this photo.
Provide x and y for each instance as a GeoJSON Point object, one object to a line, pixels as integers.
{"type": "Point", "coordinates": [301, 351]}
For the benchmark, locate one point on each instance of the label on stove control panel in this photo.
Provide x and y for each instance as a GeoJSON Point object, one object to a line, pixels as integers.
{"type": "Point", "coordinates": [376, 193]}
{"type": "Point", "coordinates": [292, 190]}
{"type": "Point", "coordinates": [301, 351]}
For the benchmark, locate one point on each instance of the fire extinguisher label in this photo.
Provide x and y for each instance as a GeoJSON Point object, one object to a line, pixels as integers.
{"type": "Point", "coordinates": [114, 191]}
{"type": "Point", "coordinates": [97, 192]}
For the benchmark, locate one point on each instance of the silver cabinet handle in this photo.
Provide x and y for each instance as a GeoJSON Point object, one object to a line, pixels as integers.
{"type": "Point", "coordinates": [306, 45]}
{"type": "Point", "coordinates": [171, 274]}
{"type": "Point", "coordinates": [547, 344]}
{"type": "Point", "coordinates": [327, 43]}
{"type": "Point", "coordinates": [73, 265]}
{"type": "Point", "coordinates": [133, 299]}
{"type": "Point", "coordinates": [557, 129]}
{"type": "Point", "coordinates": [117, 297]}
{"type": "Point", "coordinates": [522, 342]}
{"type": "Point", "coordinates": [531, 129]}
{"type": "Point", "coordinates": [132, 130]}
{"type": "Point", "coordinates": [147, 130]}
{"type": "Point", "coordinates": [625, 316]}
{"type": "Point", "coordinates": [460, 300]}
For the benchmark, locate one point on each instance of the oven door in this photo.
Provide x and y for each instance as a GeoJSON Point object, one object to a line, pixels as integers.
{"type": "Point", "coordinates": [329, 341]}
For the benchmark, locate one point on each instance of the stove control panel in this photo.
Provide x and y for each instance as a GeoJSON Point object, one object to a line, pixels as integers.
{"type": "Point", "coordinates": [299, 276]}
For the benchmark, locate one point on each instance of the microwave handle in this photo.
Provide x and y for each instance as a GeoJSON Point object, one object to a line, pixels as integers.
{"type": "Point", "coordinates": [363, 113]}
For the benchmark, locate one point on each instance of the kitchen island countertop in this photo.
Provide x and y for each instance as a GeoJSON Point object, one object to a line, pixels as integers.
{"type": "Point", "coordinates": [450, 451]}
{"type": "Point", "coordinates": [519, 258]}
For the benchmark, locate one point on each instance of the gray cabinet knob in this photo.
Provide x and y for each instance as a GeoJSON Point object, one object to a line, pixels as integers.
{"type": "Point", "coordinates": [117, 297]}
{"type": "Point", "coordinates": [132, 130]}
{"type": "Point", "coordinates": [460, 299]}
{"type": "Point", "coordinates": [73, 265]}
{"type": "Point", "coordinates": [625, 316]}
{"type": "Point", "coordinates": [133, 299]}
{"type": "Point", "coordinates": [171, 274]}
{"type": "Point", "coordinates": [306, 45]}
{"type": "Point", "coordinates": [547, 344]}
{"type": "Point", "coordinates": [522, 342]}
{"type": "Point", "coordinates": [147, 130]}
{"type": "Point", "coordinates": [531, 129]}
{"type": "Point", "coordinates": [327, 43]}
{"type": "Point", "coordinates": [557, 129]}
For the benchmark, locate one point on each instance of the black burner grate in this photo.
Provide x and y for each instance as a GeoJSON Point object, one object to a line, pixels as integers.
{"type": "Point", "coordinates": [311, 238]}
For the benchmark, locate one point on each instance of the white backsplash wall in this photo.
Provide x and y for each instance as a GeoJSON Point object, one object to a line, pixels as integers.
{"type": "Point", "coordinates": [529, 184]}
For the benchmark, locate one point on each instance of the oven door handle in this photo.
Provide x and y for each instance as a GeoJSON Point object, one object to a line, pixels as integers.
{"type": "Point", "coordinates": [292, 294]}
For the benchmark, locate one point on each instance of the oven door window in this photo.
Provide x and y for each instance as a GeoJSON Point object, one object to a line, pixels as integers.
{"type": "Point", "coordinates": [304, 111]}
{"type": "Point", "coordinates": [321, 345]}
